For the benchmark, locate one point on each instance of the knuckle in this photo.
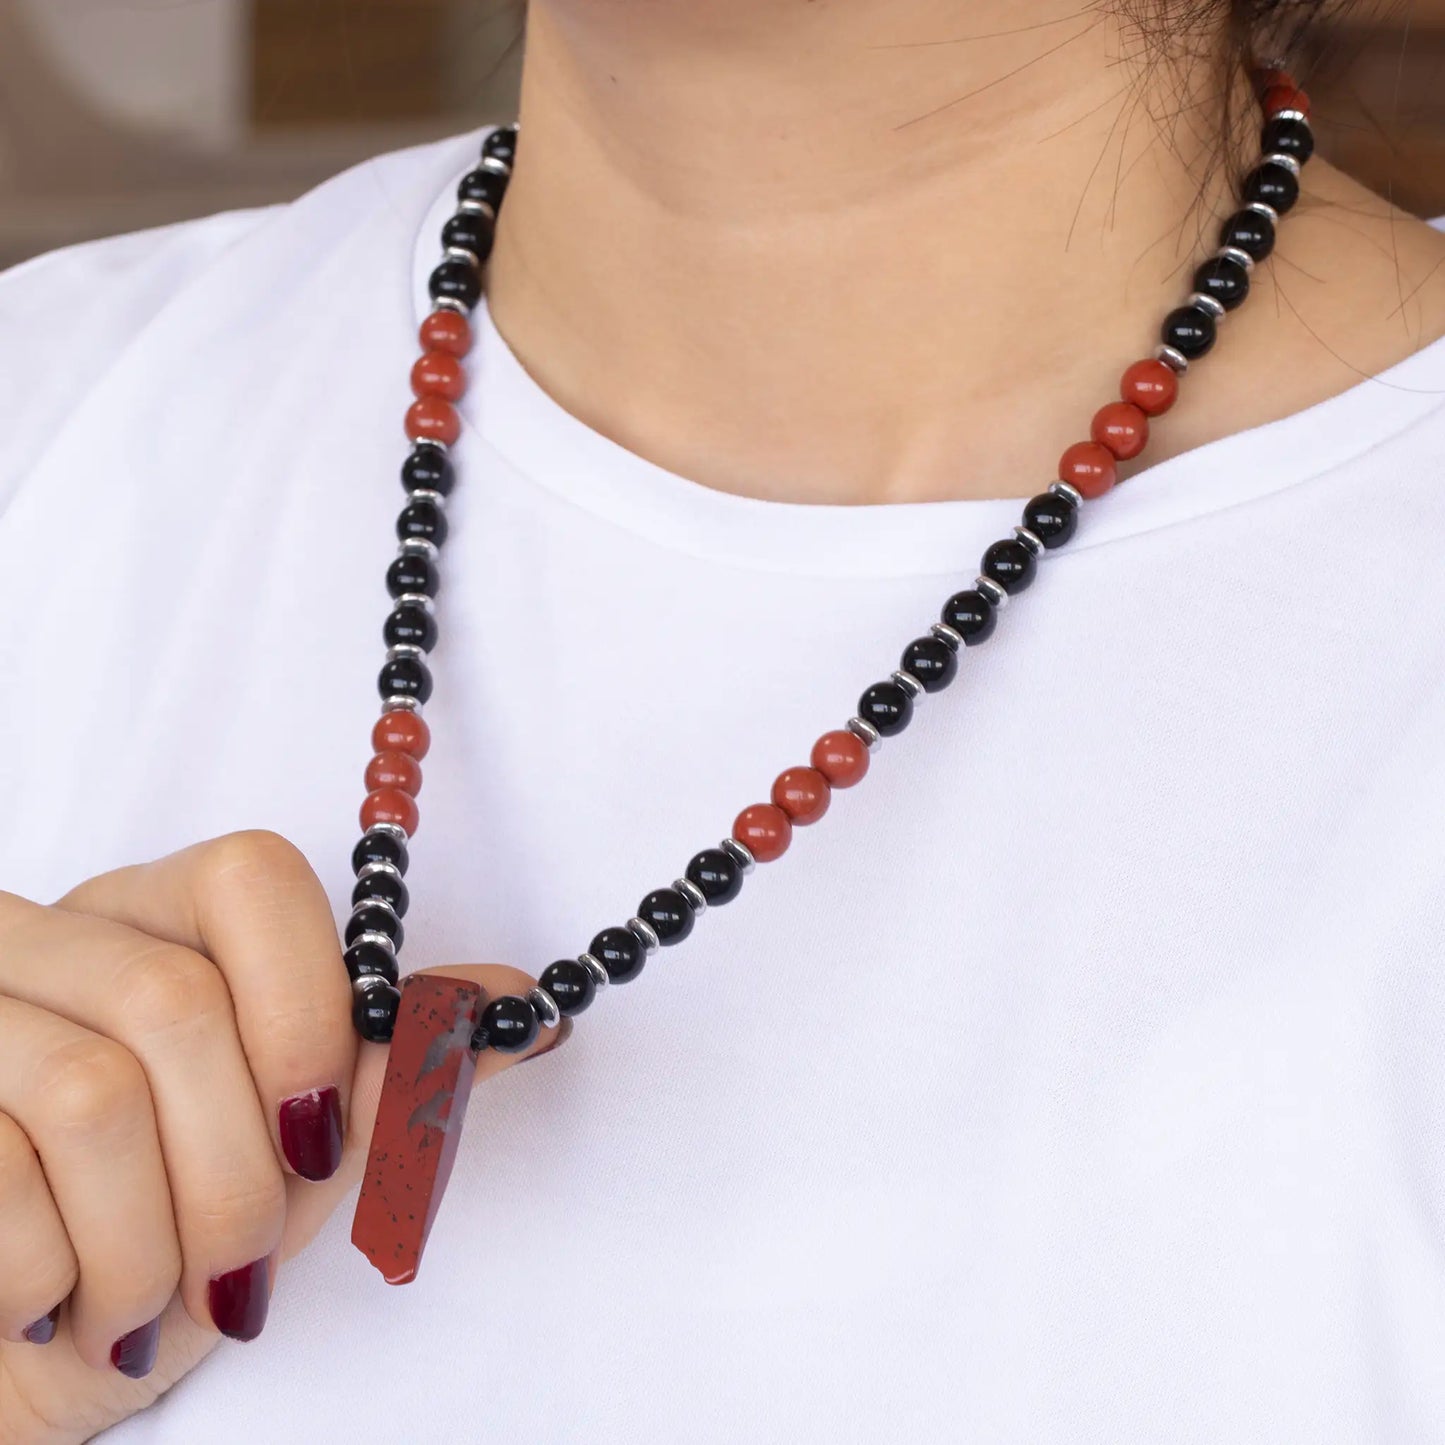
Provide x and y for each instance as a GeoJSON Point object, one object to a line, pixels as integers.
{"type": "Point", "coordinates": [254, 856]}
{"type": "Point", "coordinates": [239, 1202]}
{"type": "Point", "coordinates": [89, 1085]}
{"type": "Point", "coordinates": [166, 988]}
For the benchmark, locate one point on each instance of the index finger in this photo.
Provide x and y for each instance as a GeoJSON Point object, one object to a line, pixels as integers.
{"type": "Point", "coordinates": [250, 902]}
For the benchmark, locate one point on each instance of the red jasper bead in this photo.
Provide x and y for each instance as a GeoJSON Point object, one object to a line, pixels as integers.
{"type": "Point", "coordinates": [390, 805]}
{"type": "Point", "coordinates": [447, 331]}
{"type": "Point", "coordinates": [841, 757]}
{"type": "Point", "coordinates": [764, 830]}
{"type": "Point", "coordinates": [437, 374]}
{"type": "Point", "coordinates": [1150, 385]}
{"type": "Point", "coordinates": [401, 732]}
{"type": "Point", "coordinates": [393, 770]}
{"type": "Point", "coordinates": [1122, 428]}
{"type": "Point", "coordinates": [1265, 78]}
{"type": "Point", "coordinates": [431, 418]}
{"type": "Point", "coordinates": [1089, 467]}
{"type": "Point", "coordinates": [1285, 97]}
{"type": "Point", "coordinates": [803, 794]}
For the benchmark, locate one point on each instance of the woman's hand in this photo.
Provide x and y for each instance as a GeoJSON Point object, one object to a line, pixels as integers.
{"type": "Point", "coordinates": [183, 1102]}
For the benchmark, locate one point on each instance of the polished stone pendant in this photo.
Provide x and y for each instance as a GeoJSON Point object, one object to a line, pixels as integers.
{"type": "Point", "coordinates": [419, 1121]}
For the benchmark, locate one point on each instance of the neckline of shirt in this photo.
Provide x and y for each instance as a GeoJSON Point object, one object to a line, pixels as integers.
{"type": "Point", "coordinates": [508, 410]}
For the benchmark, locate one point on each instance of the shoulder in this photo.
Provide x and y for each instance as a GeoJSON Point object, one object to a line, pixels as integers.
{"type": "Point", "coordinates": [71, 317]}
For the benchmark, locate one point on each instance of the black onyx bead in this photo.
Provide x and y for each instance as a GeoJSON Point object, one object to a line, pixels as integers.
{"type": "Point", "coordinates": [379, 848]}
{"type": "Point", "coordinates": [716, 875]}
{"type": "Point", "coordinates": [471, 231]}
{"type": "Point", "coordinates": [374, 918]}
{"type": "Point", "coordinates": [412, 573]}
{"type": "Point", "coordinates": [571, 986]}
{"type": "Point", "coordinates": [386, 886]}
{"type": "Point", "coordinates": [405, 677]}
{"type": "Point", "coordinates": [1189, 331]}
{"type": "Point", "coordinates": [1051, 518]}
{"type": "Point", "coordinates": [370, 960]}
{"type": "Point", "coordinates": [620, 952]}
{"type": "Point", "coordinates": [456, 280]}
{"type": "Point", "coordinates": [501, 145]}
{"type": "Point", "coordinates": [1273, 185]}
{"type": "Point", "coordinates": [373, 1012]}
{"type": "Point", "coordinates": [1250, 232]}
{"type": "Point", "coordinates": [1009, 563]}
{"type": "Point", "coordinates": [669, 914]}
{"type": "Point", "coordinates": [1223, 278]}
{"type": "Point", "coordinates": [427, 468]}
{"type": "Point", "coordinates": [971, 615]}
{"type": "Point", "coordinates": [422, 519]}
{"type": "Point", "coordinates": [1285, 136]}
{"type": "Point", "coordinates": [410, 626]}
{"type": "Point", "coordinates": [932, 661]}
{"type": "Point", "coordinates": [510, 1024]}
{"type": "Point", "coordinates": [483, 185]}
{"type": "Point", "coordinates": [888, 706]}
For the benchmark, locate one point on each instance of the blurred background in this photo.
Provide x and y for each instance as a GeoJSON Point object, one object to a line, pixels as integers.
{"type": "Point", "coordinates": [118, 114]}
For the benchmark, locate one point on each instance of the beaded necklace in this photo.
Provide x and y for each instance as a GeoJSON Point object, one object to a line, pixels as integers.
{"type": "Point", "coordinates": [437, 1026]}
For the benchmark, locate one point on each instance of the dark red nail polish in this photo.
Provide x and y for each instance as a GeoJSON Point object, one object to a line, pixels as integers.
{"type": "Point", "coordinates": [43, 1330]}
{"type": "Point", "coordinates": [238, 1300]}
{"type": "Point", "coordinates": [310, 1128]}
{"type": "Point", "coordinates": [135, 1354]}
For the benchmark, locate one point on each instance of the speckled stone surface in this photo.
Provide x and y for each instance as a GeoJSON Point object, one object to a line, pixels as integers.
{"type": "Point", "coordinates": [419, 1120]}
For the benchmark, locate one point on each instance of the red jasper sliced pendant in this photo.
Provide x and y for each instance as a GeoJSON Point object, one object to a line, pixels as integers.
{"type": "Point", "coordinates": [418, 1122]}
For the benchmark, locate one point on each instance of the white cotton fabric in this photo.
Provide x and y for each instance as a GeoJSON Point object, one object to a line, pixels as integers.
{"type": "Point", "coordinates": [1081, 1078]}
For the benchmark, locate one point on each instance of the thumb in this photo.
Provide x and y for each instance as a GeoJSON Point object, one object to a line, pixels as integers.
{"type": "Point", "coordinates": [309, 1205]}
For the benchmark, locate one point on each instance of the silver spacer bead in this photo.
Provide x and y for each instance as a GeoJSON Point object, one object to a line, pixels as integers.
{"type": "Point", "coordinates": [395, 830]}
{"type": "Point", "coordinates": [1206, 304]}
{"type": "Point", "coordinates": [366, 984]}
{"type": "Point", "coordinates": [1288, 162]}
{"type": "Point", "coordinates": [908, 683]}
{"type": "Point", "coordinates": [1265, 210]}
{"type": "Point", "coordinates": [645, 932]}
{"type": "Point", "coordinates": [400, 702]}
{"type": "Point", "coordinates": [370, 870]}
{"type": "Point", "coordinates": [1233, 253]}
{"type": "Point", "coordinates": [476, 208]}
{"type": "Point", "coordinates": [440, 445]}
{"type": "Point", "coordinates": [419, 547]}
{"type": "Point", "coordinates": [950, 635]}
{"type": "Point", "coordinates": [426, 494]}
{"type": "Point", "coordinates": [696, 899]}
{"type": "Point", "coordinates": [494, 163]}
{"type": "Point", "coordinates": [381, 940]}
{"type": "Point", "coordinates": [865, 732]}
{"type": "Point", "coordinates": [1067, 489]}
{"type": "Point", "coordinates": [991, 590]}
{"type": "Point", "coordinates": [599, 974]}
{"type": "Point", "coordinates": [1176, 361]}
{"type": "Point", "coordinates": [414, 599]}
{"type": "Point", "coordinates": [548, 1014]}
{"type": "Point", "coordinates": [1031, 540]}
{"type": "Point", "coordinates": [405, 649]}
{"type": "Point", "coordinates": [450, 303]}
{"type": "Point", "coordinates": [1291, 115]}
{"type": "Point", "coordinates": [740, 853]}
{"type": "Point", "coordinates": [461, 253]}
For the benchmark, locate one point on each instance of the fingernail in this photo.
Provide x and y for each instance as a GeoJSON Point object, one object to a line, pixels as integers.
{"type": "Point", "coordinates": [238, 1300]}
{"type": "Point", "coordinates": [564, 1032]}
{"type": "Point", "coordinates": [135, 1354]}
{"type": "Point", "coordinates": [43, 1330]}
{"type": "Point", "coordinates": [310, 1128]}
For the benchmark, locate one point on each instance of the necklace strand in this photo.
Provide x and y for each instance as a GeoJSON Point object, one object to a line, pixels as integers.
{"type": "Point", "coordinates": [800, 796]}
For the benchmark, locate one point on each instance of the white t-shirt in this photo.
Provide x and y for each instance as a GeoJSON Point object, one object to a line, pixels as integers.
{"type": "Point", "coordinates": [1080, 1078]}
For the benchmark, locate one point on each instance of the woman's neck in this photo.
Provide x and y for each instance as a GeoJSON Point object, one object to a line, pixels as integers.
{"type": "Point", "coordinates": [867, 250]}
